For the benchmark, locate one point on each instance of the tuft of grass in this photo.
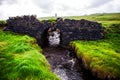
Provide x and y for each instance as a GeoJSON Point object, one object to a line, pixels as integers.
{"type": "Point", "coordinates": [102, 57]}
{"type": "Point", "coordinates": [21, 59]}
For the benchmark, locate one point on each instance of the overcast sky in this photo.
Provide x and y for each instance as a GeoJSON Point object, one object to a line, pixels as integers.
{"type": "Point", "coordinates": [44, 8]}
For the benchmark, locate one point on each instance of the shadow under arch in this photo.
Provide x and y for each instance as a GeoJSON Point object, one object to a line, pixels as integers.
{"type": "Point", "coordinates": [43, 40]}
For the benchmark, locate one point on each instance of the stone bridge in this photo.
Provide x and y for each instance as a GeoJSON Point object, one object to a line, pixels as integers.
{"type": "Point", "coordinates": [59, 33]}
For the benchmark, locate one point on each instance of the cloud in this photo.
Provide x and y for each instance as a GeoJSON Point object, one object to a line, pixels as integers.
{"type": "Point", "coordinates": [1, 1]}
{"type": "Point", "coordinates": [45, 5]}
{"type": "Point", "coordinates": [44, 8]}
{"type": "Point", "coordinates": [98, 3]}
{"type": "Point", "coordinates": [7, 2]}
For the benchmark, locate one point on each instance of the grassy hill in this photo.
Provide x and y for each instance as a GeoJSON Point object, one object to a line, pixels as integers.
{"type": "Point", "coordinates": [106, 19]}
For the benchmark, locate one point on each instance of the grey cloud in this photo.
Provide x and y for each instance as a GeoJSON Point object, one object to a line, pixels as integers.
{"type": "Point", "coordinates": [67, 8]}
{"type": "Point", "coordinates": [1, 1]}
{"type": "Point", "coordinates": [45, 5]}
{"type": "Point", "coordinates": [7, 2]}
{"type": "Point", "coordinates": [97, 3]}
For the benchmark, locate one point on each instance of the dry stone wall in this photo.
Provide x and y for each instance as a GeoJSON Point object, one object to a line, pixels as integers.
{"type": "Point", "coordinates": [69, 29]}
{"type": "Point", "coordinates": [79, 30]}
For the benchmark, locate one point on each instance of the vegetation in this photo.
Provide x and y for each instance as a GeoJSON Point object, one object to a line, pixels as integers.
{"type": "Point", "coordinates": [2, 23]}
{"type": "Point", "coordinates": [47, 18]}
{"type": "Point", "coordinates": [106, 19]}
{"type": "Point", "coordinates": [52, 20]}
{"type": "Point", "coordinates": [102, 57]}
{"type": "Point", "coordinates": [21, 59]}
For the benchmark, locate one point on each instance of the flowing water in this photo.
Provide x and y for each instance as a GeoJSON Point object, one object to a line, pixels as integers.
{"type": "Point", "coordinates": [65, 64]}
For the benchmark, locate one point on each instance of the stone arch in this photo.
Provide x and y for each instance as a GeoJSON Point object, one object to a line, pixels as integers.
{"type": "Point", "coordinates": [44, 38]}
{"type": "Point", "coordinates": [49, 37]}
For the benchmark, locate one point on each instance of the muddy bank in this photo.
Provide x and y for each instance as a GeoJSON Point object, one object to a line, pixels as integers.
{"type": "Point", "coordinates": [65, 64]}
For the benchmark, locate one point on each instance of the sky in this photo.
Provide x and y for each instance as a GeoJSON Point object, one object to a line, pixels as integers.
{"type": "Point", "coordinates": [45, 8]}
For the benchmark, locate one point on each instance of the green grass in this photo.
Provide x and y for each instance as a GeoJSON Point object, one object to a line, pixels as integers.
{"type": "Point", "coordinates": [106, 19]}
{"type": "Point", "coordinates": [98, 17]}
{"type": "Point", "coordinates": [22, 59]}
{"type": "Point", "coordinates": [102, 57]}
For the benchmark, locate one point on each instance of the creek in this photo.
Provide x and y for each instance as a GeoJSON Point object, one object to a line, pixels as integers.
{"type": "Point", "coordinates": [65, 64]}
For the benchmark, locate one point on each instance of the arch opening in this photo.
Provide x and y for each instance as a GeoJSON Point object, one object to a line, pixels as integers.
{"type": "Point", "coordinates": [54, 36]}
{"type": "Point", "coordinates": [50, 37]}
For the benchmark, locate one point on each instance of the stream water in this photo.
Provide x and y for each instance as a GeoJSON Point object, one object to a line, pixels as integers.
{"type": "Point", "coordinates": [65, 64]}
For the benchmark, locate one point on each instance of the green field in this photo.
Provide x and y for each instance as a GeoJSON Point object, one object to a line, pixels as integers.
{"type": "Point", "coordinates": [102, 57]}
{"type": "Point", "coordinates": [22, 59]}
{"type": "Point", "coordinates": [106, 18]}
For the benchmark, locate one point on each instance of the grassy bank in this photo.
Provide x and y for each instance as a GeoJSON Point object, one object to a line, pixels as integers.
{"type": "Point", "coordinates": [102, 57]}
{"type": "Point", "coordinates": [21, 59]}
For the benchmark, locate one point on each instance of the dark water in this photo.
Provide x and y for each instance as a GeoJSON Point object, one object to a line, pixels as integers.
{"type": "Point", "coordinates": [65, 64]}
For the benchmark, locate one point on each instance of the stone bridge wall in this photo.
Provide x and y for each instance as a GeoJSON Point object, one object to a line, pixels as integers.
{"type": "Point", "coordinates": [79, 30]}
{"type": "Point", "coordinates": [70, 29]}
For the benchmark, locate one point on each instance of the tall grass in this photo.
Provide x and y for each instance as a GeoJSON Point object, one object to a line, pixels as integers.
{"type": "Point", "coordinates": [102, 57]}
{"type": "Point", "coordinates": [21, 59]}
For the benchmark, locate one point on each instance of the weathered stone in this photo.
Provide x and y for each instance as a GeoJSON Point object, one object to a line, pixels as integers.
{"type": "Point", "coordinates": [69, 29]}
{"type": "Point", "coordinates": [25, 24]}
{"type": "Point", "coordinates": [79, 30]}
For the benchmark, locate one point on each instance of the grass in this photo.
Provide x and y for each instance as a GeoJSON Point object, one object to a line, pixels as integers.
{"type": "Point", "coordinates": [21, 59]}
{"type": "Point", "coordinates": [102, 57]}
{"type": "Point", "coordinates": [106, 19]}
{"type": "Point", "coordinates": [98, 17]}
